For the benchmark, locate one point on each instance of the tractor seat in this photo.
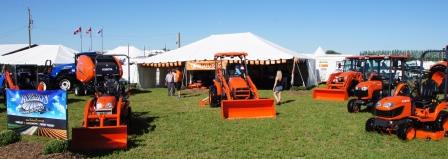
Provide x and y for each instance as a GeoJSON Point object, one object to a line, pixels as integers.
{"type": "Point", "coordinates": [427, 93]}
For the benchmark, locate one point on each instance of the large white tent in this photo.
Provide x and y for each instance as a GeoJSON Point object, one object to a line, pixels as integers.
{"type": "Point", "coordinates": [258, 49]}
{"type": "Point", "coordinates": [326, 63]}
{"type": "Point", "coordinates": [133, 53]}
{"type": "Point", "coordinates": [37, 55]}
{"type": "Point", "coordinates": [7, 48]}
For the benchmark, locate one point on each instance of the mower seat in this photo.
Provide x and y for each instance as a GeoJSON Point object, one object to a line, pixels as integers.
{"type": "Point", "coordinates": [426, 95]}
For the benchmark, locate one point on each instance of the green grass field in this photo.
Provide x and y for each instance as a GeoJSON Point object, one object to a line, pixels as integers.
{"type": "Point", "coordinates": [166, 127]}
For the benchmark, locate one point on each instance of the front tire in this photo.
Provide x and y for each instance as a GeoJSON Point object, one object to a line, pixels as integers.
{"type": "Point", "coordinates": [370, 125]}
{"type": "Point", "coordinates": [65, 84]}
{"type": "Point", "coordinates": [406, 131]}
{"type": "Point", "coordinates": [214, 99]}
{"type": "Point", "coordinates": [353, 106]}
{"type": "Point", "coordinates": [77, 91]}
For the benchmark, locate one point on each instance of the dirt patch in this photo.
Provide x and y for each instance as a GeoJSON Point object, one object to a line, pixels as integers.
{"type": "Point", "coordinates": [31, 150]}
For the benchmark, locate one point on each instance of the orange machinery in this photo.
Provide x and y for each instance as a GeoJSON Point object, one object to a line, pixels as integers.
{"type": "Point", "coordinates": [12, 83]}
{"type": "Point", "coordinates": [106, 116]}
{"type": "Point", "coordinates": [340, 85]}
{"type": "Point", "coordinates": [419, 115]}
{"type": "Point", "coordinates": [235, 92]}
{"type": "Point", "coordinates": [386, 72]}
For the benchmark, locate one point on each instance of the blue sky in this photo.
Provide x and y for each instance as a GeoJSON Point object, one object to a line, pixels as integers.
{"type": "Point", "coordinates": [348, 26]}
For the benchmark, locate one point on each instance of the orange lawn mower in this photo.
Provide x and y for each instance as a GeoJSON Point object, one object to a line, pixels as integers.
{"type": "Point", "coordinates": [386, 72]}
{"type": "Point", "coordinates": [107, 115]}
{"type": "Point", "coordinates": [340, 85]}
{"type": "Point", "coordinates": [235, 92]}
{"type": "Point", "coordinates": [419, 115]}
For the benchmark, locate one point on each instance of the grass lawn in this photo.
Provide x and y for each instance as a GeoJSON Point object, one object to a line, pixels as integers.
{"type": "Point", "coordinates": [166, 127]}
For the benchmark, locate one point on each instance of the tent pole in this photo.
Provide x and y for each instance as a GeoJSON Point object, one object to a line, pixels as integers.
{"type": "Point", "coordinates": [300, 73]}
{"type": "Point", "coordinates": [292, 72]}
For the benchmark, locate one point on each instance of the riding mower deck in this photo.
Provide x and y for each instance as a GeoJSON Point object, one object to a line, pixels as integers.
{"type": "Point", "coordinates": [340, 85]}
{"type": "Point", "coordinates": [107, 115]}
{"type": "Point", "coordinates": [386, 72]}
{"type": "Point", "coordinates": [419, 115]}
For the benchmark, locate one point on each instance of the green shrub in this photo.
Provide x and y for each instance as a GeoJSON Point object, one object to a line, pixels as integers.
{"type": "Point", "coordinates": [55, 146]}
{"type": "Point", "coordinates": [8, 137]}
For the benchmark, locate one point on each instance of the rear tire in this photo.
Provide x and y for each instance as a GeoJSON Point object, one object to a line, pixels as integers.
{"type": "Point", "coordinates": [353, 106]}
{"type": "Point", "coordinates": [370, 125]}
{"type": "Point", "coordinates": [78, 91]}
{"type": "Point", "coordinates": [406, 131]}
{"type": "Point", "coordinates": [214, 99]}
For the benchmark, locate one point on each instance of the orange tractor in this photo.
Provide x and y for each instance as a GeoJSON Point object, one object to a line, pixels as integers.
{"type": "Point", "coordinates": [235, 92]}
{"type": "Point", "coordinates": [421, 114]}
{"type": "Point", "coordinates": [107, 115]}
{"type": "Point", "coordinates": [385, 72]}
{"type": "Point", "coordinates": [340, 85]}
{"type": "Point", "coordinates": [23, 77]}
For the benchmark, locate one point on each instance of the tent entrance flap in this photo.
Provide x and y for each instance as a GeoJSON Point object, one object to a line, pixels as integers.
{"type": "Point", "coordinates": [106, 138]}
{"type": "Point", "coordinates": [330, 94]}
{"type": "Point", "coordinates": [253, 108]}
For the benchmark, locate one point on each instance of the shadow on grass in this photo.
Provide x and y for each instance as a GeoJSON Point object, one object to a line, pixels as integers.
{"type": "Point", "coordinates": [140, 124]}
{"type": "Point", "coordinates": [288, 101]}
{"type": "Point", "coordinates": [73, 100]}
{"type": "Point", "coordinates": [137, 91]}
{"type": "Point", "coordinates": [189, 95]}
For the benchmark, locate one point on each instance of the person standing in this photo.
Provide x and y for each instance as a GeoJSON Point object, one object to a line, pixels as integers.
{"type": "Point", "coordinates": [169, 82]}
{"type": "Point", "coordinates": [178, 81]}
{"type": "Point", "coordinates": [278, 87]}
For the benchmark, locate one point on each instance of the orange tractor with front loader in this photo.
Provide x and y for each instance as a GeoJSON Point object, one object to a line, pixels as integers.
{"type": "Point", "coordinates": [421, 114]}
{"type": "Point", "coordinates": [107, 115]}
{"type": "Point", "coordinates": [340, 85]}
{"type": "Point", "coordinates": [234, 90]}
{"type": "Point", "coordinates": [386, 73]}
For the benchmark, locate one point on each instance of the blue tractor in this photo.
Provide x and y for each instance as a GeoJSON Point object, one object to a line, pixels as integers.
{"type": "Point", "coordinates": [61, 76]}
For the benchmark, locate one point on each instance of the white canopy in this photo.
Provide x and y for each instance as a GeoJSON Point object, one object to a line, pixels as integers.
{"type": "Point", "coordinates": [256, 47]}
{"type": "Point", "coordinates": [7, 48]}
{"type": "Point", "coordinates": [58, 54]}
{"type": "Point", "coordinates": [133, 51]}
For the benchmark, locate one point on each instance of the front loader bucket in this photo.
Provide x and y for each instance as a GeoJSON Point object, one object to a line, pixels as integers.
{"type": "Point", "coordinates": [330, 94]}
{"type": "Point", "coordinates": [95, 138]}
{"type": "Point", "coordinates": [251, 108]}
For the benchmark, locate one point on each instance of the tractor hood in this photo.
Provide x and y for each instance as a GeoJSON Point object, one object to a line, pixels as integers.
{"type": "Point", "coordinates": [393, 108]}
{"type": "Point", "coordinates": [237, 82]}
{"type": "Point", "coordinates": [367, 85]}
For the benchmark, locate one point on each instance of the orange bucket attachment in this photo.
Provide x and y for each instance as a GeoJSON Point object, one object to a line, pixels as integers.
{"type": "Point", "coordinates": [330, 94]}
{"type": "Point", "coordinates": [95, 138]}
{"type": "Point", "coordinates": [252, 108]}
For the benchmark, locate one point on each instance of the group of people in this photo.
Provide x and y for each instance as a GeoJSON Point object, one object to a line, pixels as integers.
{"type": "Point", "coordinates": [173, 81]}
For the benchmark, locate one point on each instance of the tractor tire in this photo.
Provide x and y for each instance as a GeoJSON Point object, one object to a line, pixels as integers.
{"type": "Point", "coordinates": [65, 84]}
{"type": "Point", "coordinates": [353, 106]}
{"type": "Point", "coordinates": [78, 91]}
{"type": "Point", "coordinates": [370, 125]}
{"type": "Point", "coordinates": [406, 131]}
{"type": "Point", "coordinates": [214, 99]}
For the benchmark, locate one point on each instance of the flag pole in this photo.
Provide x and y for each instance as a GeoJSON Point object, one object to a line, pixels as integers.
{"type": "Point", "coordinates": [80, 35]}
{"type": "Point", "coordinates": [102, 50]}
{"type": "Point", "coordinates": [90, 32]}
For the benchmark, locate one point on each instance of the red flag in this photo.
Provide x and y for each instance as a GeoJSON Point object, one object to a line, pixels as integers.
{"type": "Point", "coordinates": [77, 31]}
{"type": "Point", "coordinates": [89, 30]}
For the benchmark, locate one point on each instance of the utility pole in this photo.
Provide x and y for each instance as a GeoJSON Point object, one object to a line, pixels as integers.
{"type": "Point", "coordinates": [178, 40]}
{"type": "Point", "coordinates": [30, 22]}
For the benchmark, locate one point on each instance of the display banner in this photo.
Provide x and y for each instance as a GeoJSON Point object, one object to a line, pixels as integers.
{"type": "Point", "coordinates": [202, 65]}
{"type": "Point", "coordinates": [41, 113]}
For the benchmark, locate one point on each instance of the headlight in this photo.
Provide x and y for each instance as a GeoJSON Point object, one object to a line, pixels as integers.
{"type": "Point", "coordinates": [378, 104]}
{"type": "Point", "coordinates": [388, 105]}
{"type": "Point", "coordinates": [364, 88]}
{"type": "Point", "coordinates": [109, 105]}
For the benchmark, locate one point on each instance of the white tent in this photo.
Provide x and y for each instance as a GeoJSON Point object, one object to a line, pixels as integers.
{"type": "Point", "coordinates": [204, 49]}
{"type": "Point", "coordinates": [133, 53]}
{"type": "Point", "coordinates": [37, 55]}
{"type": "Point", "coordinates": [326, 63]}
{"type": "Point", "coordinates": [7, 48]}
{"type": "Point", "coordinates": [257, 48]}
